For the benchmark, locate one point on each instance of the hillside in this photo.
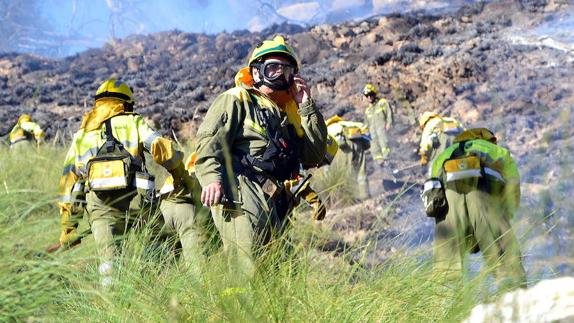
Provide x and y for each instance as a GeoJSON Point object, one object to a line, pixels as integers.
{"type": "Point", "coordinates": [484, 64]}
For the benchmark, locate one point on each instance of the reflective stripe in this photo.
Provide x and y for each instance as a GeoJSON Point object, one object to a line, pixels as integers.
{"type": "Point", "coordinates": [108, 182]}
{"type": "Point", "coordinates": [463, 174]}
{"type": "Point", "coordinates": [69, 169]}
{"type": "Point", "coordinates": [65, 198]}
{"type": "Point", "coordinates": [492, 172]}
{"type": "Point", "coordinates": [429, 185]}
{"type": "Point", "coordinates": [255, 127]}
{"type": "Point", "coordinates": [84, 158]}
{"type": "Point", "coordinates": [166, 188]}
{"type": "Point", "coordinates": [78, 187]}
{"type": "Point", "coordinates": [452, 131]}
{"type": "Point", "coordinates": [149, 140]}
{"type": "Point", "coordinates": [144, 183]}
{"type": "Point", "coordinates": [13, 141]}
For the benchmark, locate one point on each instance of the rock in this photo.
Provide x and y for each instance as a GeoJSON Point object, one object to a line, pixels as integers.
{"type": "Point", "coordinates": [548, 301]}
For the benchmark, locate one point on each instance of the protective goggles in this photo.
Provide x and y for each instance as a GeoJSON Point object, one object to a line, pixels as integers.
{"type": "Point", "coordinates": [272, 69]}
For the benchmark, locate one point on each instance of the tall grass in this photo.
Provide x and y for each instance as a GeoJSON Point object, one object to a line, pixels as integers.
{"type": "Point", "coordinates": [151, 285]}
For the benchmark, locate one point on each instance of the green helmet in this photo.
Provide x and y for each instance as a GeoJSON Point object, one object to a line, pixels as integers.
{"type": "Point", "coordinates": [276, 46]}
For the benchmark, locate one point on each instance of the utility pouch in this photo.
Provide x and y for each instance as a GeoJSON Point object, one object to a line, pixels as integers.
{"type": "Point", "coordinates": [463, 174]}
{"type": "Point", "coordinates": [107, 174]}
{"type": "Point", "coordinates": [145, 185]}
{"type": "Point", "coordinates": [434, 198]}
{"type": "Point", "coordinates": [270, 188]}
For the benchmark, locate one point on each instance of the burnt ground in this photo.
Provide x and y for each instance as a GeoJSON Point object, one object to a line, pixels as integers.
{"type": "Point", "coordinates": [480, 64]}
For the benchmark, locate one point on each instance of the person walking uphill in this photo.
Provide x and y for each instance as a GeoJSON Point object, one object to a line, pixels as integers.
{"type": "Point", "coordinates": [379, 119]}
{"type": "Point", "coordinates": [107, 155]}
{"type": "Point", "coordinates": [254, 137]}
{"type": "Point", "coordinates": [25, 132]}
{"type": "Point", "coordinates": [473, 193]}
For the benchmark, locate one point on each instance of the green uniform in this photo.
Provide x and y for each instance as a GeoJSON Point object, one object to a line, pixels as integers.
{"type": "Point", "coordinates": [354, 145]}
{"type": "Point", "coordinates": [185, 216]}
{"type": "Point", "coordinates": [378, 116]}
{"type": "Point", "coordinates": [482, 199]}
{"type": "Point", "coordinates": [112, 212]}
{"type": "Point", "coordinates": [234, 130]}
{"type": "Point", "coordinates": [438, 134]}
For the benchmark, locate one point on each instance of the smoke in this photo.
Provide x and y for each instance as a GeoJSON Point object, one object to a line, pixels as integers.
{"type": "Point", "coordinates": [61, 27]}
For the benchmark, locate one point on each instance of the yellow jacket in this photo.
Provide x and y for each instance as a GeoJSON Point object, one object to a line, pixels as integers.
{"type": "Point", "coordinates": [25, 130]}
{"type": "Point", "coordinates": [128, 128]}
{"type": "Point", "coordinates": [437, 126]}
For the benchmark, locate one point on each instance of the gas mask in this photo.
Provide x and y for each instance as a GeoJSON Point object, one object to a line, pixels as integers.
{"type": "Point", "coordinates": [276, 74]}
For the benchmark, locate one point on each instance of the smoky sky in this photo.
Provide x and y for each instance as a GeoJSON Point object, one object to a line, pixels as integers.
{"type": "Point", "coordinates": [63, 27]}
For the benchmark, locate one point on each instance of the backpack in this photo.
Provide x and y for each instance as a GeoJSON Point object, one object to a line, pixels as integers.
{"type": "Point", "coordinates": [113, 168]}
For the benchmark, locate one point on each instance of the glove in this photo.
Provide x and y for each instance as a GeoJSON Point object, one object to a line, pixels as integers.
{"type": "Point", "coordinates": [319, 210]}
{"type": "Point", "coordinates": [69, 225]}
{"type": "Point", "coordinates": [69, 236]}
{"type": "Point", "coordinates": [424, 160]}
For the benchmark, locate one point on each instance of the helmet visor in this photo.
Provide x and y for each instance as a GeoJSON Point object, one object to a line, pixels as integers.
{"type": "Point", "coordinates": [273, 69]}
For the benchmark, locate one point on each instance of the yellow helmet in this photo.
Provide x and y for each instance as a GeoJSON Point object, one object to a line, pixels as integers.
{"type": "Point", "coordinates": [332, 148]}
{"type": "Point", "coordinates": [426, 116]}
{"type": "Point", "coordinates": [275, 46]}
{"type": "Point", "coordinates": [333, 119]}
{"type": "Point", "coordinates": [369, 89]}
{"type": "Point", "coordinates": [24, 118]}
{"type": "Point", "coordinates": [113, 88]}
{"type": "Point", "coordinates": [476, 133]}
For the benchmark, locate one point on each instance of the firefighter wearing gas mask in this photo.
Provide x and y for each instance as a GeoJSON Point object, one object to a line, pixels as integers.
{"type": "Point", "coordinates": [255, 136]}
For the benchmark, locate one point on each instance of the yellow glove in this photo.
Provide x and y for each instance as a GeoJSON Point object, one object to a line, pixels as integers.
{"type": "Point", "coordinates": [319, 210]}
{"type": "Point", "coordinates": [424, 160]}
{"type": "Point", "coordinates": [68, 235]}
{"type": "Point", "coordinates": [68, 224]}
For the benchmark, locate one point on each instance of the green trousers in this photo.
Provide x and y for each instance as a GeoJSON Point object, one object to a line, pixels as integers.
{"type": "Point", "coordinates": [110, 217]}
{"type": "Point", "coordinates": [379, 143]}
{"type": "Point", "coordinates": [192, 224]}
{"type": "Point", "coordinates": [477, 219]}
{"type": "Point", "coordinates": [247, 226]}
{"type": "Point", "coordinates": [355, 150]}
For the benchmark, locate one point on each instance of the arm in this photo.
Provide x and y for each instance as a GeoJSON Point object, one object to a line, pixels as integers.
{"type": "Point", "coordinates": [315, 139]}
{"type": "Point", "coordinates": [162, 150]}
{"type": "Point", "coordinates": [511, 194]}
{"type": "Point", "coordinates": [388, 112]}
{"type": "Point", "coordinates": [70, 186]}
{"type": "Point", "coordinates": [313, 123]}
{"type": "Point", "coordinates": [215, 138]}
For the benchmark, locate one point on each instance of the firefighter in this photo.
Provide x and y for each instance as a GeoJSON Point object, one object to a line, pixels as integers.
{"type": "Point", "coordinates": [438, 133]}
{"type": "Point", "coordinates": [25, 133]}
{"type": "Point", "coordinates": [107, 155]}
{"type": "Point", "coordinates": [354, 141]}
{"type": "Point", "coordinates": [254, 137]}
{"type": "Point", "coordinates": [473, 194]}
{"type": "Point", "coordinates": [379, 119]}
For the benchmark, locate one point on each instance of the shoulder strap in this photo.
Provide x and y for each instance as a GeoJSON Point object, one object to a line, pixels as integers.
{"type": "Point", "coordinates": [110, 139]}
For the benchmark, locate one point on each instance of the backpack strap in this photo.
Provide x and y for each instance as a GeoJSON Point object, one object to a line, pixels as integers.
{"type": "Point", "coordinates": [110, 139]}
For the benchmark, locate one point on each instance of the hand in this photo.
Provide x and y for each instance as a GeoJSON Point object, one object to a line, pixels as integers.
{"type": "Point", "coordinates": [301, 91]}
{"type": "Point", "coordinates": [211, 194]}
